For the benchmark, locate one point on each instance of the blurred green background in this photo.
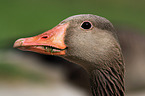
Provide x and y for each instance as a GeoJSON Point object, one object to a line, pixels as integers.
{"type": "Point", "coordinates": [25, 18]}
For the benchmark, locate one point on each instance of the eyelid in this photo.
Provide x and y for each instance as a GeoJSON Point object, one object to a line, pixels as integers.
{"type": "Point", "coordinates": [89, 22]}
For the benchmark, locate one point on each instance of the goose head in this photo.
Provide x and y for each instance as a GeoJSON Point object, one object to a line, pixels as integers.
{"type": "Point", "coordinates": [87, 40]}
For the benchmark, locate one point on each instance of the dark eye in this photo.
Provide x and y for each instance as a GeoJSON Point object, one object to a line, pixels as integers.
{"type": "Point", "coordinates": [86, 25]}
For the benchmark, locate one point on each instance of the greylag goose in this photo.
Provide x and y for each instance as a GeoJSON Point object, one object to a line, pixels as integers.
{"type": "Point", "coordinates": [91, 42]}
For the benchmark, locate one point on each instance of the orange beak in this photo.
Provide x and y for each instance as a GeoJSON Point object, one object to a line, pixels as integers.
{"type": "Point", "coordinates": [50, 42]}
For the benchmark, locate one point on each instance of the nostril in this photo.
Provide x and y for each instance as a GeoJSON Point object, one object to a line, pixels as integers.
{"type": "Point", "coordinates": [44, 37]}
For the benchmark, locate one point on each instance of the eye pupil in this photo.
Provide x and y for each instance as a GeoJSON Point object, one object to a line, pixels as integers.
{"type": "Point", "coordinates": [86, 25]}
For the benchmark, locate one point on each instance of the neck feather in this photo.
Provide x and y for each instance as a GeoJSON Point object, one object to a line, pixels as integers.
{"type": "Point", "coordinates": [107, 82]}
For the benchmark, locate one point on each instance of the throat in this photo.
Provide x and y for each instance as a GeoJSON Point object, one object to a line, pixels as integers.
{"type": "Point", "coordinates": [107, 82]}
